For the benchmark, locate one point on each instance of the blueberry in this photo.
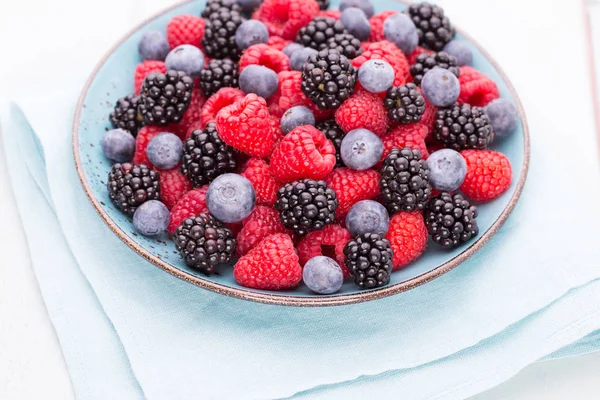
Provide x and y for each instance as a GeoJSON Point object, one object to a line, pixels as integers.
{"type": "Point", "coordinates": [153, 46]}
{"type": "Point", "coordinates": [401, 30]}
{"type": "Point", "coordinates": [295, 117]}
{"type": "Point", "coordinates": [165, 150]}
{"type": "Point", "coordinates": [447, 169]}
{"type": "Point", "coordinates": [367, 216]}
{"type": "Point", "coordinates": [461, 51]}
{"type": "Point", "coordinates": [291, 48]}
{"type": "Point", "coordinates": [361, 149]}
{"type": "Point", "coordinates": [376, 76]}
{"type": "Point", "coordinates": [230, 198]}
{"type": "Point", "coordinates": [258, 79]}
{"type": "Point", "coordinates": [118, 145]}
{"type": "Point", "coordinates": [440, 87]}
{"type": "Point", "coordinates": [151, 218]}
{"type": "Point", "coordinates": [323, 275]}
{"type": "Point", "coordinates": [503, 116]}
{"type": "Point", "coordinates": [299, 57]}
{"type": "Point", "coordinates": [248, 6]}
{"type": "Point", "coordinates": [186, 58]}
{"type": "Point", "coordinates": [251, 32]}
{"type": "Point", "coordinates": [356, 22]}
{"type": "Point", "coordinates": [364, 5]}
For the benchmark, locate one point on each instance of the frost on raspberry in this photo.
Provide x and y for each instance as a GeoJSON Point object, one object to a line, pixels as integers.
{"type": "Point", "coordinates": [263, 222]}
{"type": "Point", "coordinates": [144, 69]}
{"type": "Point", "coordinates": [265, 55]}
{"type": "Point", "coordinates": [258, 173]}
{"type": "Point", "coordinates": [389, 52]}
{"type": "Point", "coordinates": [352, 186]}
{"type": "Point", "coordinates": [224, 97]}
{"type": "Point", "coordinates": [305, 152]}
{"type": "Point", "coordinates": [173, 186]}
{"type": "Point", "coordinates": [189, 205]}
{"type": "Point", "coordinates": [408, 237]}
{"type": "Point", "coordinates": [284, 18]}
{"type": "Point", "coordinates": [329, 241]}
{"type": "Point", "coordinates": [363, 110]}
{"type": "Point", "coordinates": [476, 89]}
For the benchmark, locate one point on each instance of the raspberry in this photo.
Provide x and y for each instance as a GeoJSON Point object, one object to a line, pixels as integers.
{"type": "Point", "coordinates": [258, 173]}
{"type": "Point", "coordinates": [173, 185]}
{"type": "Point", "coordinates": [412, 57]}
{"type": "Point", "coordinates": [271, 265]}
{"type": "Point", "coordinates": [352, 186]}
{"type": "Point", "coordinates": [334, 14]}
{"type": "Point", "coordinates": [185, 29]}
{"type": "Point", "coordinates": [274, 108]}
{"type": "Point", "coordinates": [290, 94]}
{"type": "Point", "coordinates": [408, 236]}
{"type": "Point", "coordinates": [277, 42]}
{"type": "Point", "coordinates": [488, 174]}
{"type": "Point", "coordinates": [246, 126]}
{"type": "Point", "coordinates": [305, 152]}
{"type": "Point", "coordinates": [145, 135]}
{"type": "Point", "coordinates": [377, 25]}
{"type": "Point", "coordinates": [411, 136]}
{"type": "Point", "coordinates": [192, 116]}
{"type": "Point", "coordinates": [363, 110]}
{"type": "Point", "coordinates": [284, 18]}
{"type": "Point", "coordinates": [277, 133]}
{"type": "Point", "coordinates": [263, 222]}
{"type": "Point", "coordinates": [329, 241]}
{"type": "Point", "coordinates": [189, 205]}
{"type": "Point", "coordinates": [428, 118]}
{"type": "Point", "coordinates": [223, 98]}
{"type": "Point", "coordinates": [389, 52]}
{"type": "Point", "coordinates": [144, 69]}
{"type": "Point", "coordinates": [476, 89]}
{"type": "Point", "coordinates": [265, 55]}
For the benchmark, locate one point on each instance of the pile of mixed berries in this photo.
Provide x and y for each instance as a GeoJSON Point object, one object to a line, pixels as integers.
{"type": "Point", "coordinates": [301, 143]}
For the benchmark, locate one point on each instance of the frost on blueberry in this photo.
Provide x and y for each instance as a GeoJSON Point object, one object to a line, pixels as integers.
{"type": "Point", "coordinates": [376, 76]}
{"type": "Point", "coordinates": [323, 275]}
{"type": "Point", "coordinates": [356, 23]}
{"type": "Point", "coordinates": [165, 150]}
{"type": "Point", "coordinates": [153, 46]}
{"type": "Point", "coordinates": [295, 117]}
{"type": "Point", "coordinates": [401, 30]}
{"type": "Point", "coordinates": [260, 80]}
{"type": "Point", "coordinates": [361, 149]}
{"type": "Point", "coordinates": [230, 198]}
{"type": "Point", "coordinates": [367, 216]}
{"type": "Point", "coordinates": [186, 58]}
{"type": "Point", "coordinates": [300, 56]}
{"type": "Point", "coordinates": [440, 87]}
{"type": "Point", "coordinates": [447, 169]}
{"type": "Point", "coordinates": [461, 50]}
{"type": "Point", "coordinates": [503, 116]}
{"type": "Point", "coordinates": [151, 218]}
{"type": "Point", "coordinates": [251, 32]}
{"type": "Point", "coordinates": [118, 145]}
{"type": "Point", "coordinates": [364, 5]}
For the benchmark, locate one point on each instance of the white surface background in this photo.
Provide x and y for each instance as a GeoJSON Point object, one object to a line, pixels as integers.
{"type": "Point", "coordinates": [45, 43]}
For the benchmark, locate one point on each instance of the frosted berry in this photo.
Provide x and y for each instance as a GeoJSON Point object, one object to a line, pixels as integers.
{"type": "Point", "coordinates": [503, 116]}
{"type": "Point", "coordinates": [118, 145]}
{"type": "Point", "coordinates": [151, 218]}
{"type": "Point", "coordinates": [440, 87]}
{"type": "Point", "coordinates": [376, 76]}
{"type": "Point", "coordinates": [322, 275]}
{"type": "Point", "coordinates": [447, 169]}
{"type": "Point", "coordinates": [356, 23]}
{"type": "Point", "coordinates": [461, 50]}
{"type": "Point", "coordinates": [364, 5]}
{"type": "Point", "coordinates": [153, 46]}
{"type": "Point", "coordinates": [260, 80]}
{"type": "Point", "coordinates": [186, 58]}
{"type": "Point", "coordinates": [230, 198]}
{"type": "Point", "coordinates": [251, 32]}
{"type": "Point", "coordinates": [367, 216]}
{"type": "Point", "coordinates": [361, 149]}
{"type": "Point", "coordinates": [401, 30]}
{"type": "Point", "coordinates": [164, 150]}
{"type": "Point", "coordinates": [295, 117]}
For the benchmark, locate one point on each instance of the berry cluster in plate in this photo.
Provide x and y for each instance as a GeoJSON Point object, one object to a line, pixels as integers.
{"type": "Point", "coordinates": [301, 143]}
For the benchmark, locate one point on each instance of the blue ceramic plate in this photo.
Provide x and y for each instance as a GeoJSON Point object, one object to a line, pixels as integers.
{"type": "Point", "coordinates": [113, 79]}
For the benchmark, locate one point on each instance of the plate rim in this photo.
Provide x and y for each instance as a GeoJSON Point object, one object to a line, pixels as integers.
{"type": "Point", "coordinates": [283, 299]}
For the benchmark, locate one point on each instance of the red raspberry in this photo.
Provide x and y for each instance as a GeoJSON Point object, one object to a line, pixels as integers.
{"type": "Point", "coordinates": [389, 52]}
{"type": "Point", "coordinates": [412, 57]}
{"type": "Point", "coordinates": [405, 136]}
{"type": "Point", "coordinates": [274, 108]}
{"type": "Point", "coordinates": [363, 110]}
{"type": "Point", "coordinates": [224, 97]}
{"type": "Point", "coordinates": [271, 265]}
{"type": "Point", "coordinates": [265, 55]}
{"type": "Point", "coordinates": [191, 204]}
{"type": "Point", "coordinates": [429, 116]}
{"type": "Point", "coordinates": [334, 14]}
{"type": "Point", "coordinates": [263, 222]}
{"type": "Point", "coordinates": [246, 126]}
{"type": "Point", "coordinates": [277, 42]}
{"type": "Point", "coordinates": [329, 241]}
{"type": "Point", "coordinates": [185, 29]}
{"type": "Point", "coordinates": [144, 69]}
{"type": "Point", "coordinates": [377, 25]}
{"type": "Point", "coordinates": [192, 117]}
{"type": "Point", "coordinates": [476, 89]}
{"type": "Point", "coordinates": [258, 173]}
{"type": "Point", "coordinates": [365, 45]}
{"type": "Point", "coordinates": [145, 135]}
{"type": "Point", "coordinates": [488, 174]}
{"type": "Point", "coordinates": [284, 18]}
{"type": "Point", "coordinates": [352, 186]}
{"type": "Point", "coordinates": [305, 152]}
{"type": "Point", "coordinates": [276, 128]}
{"type": "Point", "coordinates": [408, 237]}
{"type": "Point", "coordinates": [173, 185]}
{"type": "Point", "coordinates": [290, 94]}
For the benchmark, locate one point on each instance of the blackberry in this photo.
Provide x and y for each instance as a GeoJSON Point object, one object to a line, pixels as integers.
{"type": "Point", "coordinates": [306, 205]}
{"type": "Point", "coordinates": [165, 97]}
{"type": "Point", "coordinates": [433, 27]}
{"type": "Point", "coordinates": [426, 62]}
{"type": "Point", "coordinates": [129, 186]}
{"type": "Point", "coordinates": [369, 259]}
{"type": "Point", "coordinates": [328, 79]}
{"type": "Point", "coordinates": [405, 104]}
{"type": "Point", "coordinates": [404, 181]}
{"type": "Point", "coordinates": [204, 243]}
{"type": "Point", "coordinates": [213, 6]}
{"type": "Point", "coordinates": [218, 74]}
{"type": "Point", "coordinates": [318, 31]}
{"type": "Point", "coordinates": [126, 116]}
{"type": "Point", "coordinates": [206, 156]}
{"type": "Point", "coordinates": [463, 127]}
{"type": "Point", "coordinates": [219, 34]}
{"type": "Point", "coordinates": [323, 4]}
{"type": "Point", "coordinates": [450, 220]}
{"type": "Point", "coordinates": [346, 44]}
{"type": "Point", "coordinates": [334, 133]}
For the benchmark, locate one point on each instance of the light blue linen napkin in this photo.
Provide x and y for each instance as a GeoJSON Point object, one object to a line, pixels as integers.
{"type": "Point", "coordinates": [129, 330]}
